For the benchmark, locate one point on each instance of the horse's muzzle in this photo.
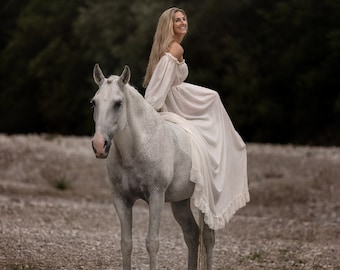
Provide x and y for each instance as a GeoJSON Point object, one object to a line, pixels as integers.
{"type": "Point", "coordinates": [101, 150]}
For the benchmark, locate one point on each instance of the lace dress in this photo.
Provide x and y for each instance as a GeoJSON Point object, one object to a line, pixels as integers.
{"type": "Point", "coordinates": [219, 159]}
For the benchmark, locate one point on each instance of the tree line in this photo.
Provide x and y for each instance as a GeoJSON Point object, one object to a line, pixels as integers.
{"type": "Point", "coordinates": [274, 63]}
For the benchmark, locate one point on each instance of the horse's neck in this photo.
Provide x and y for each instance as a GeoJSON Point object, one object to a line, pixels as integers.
{"type": "Point", "coordinates": [142, 122]}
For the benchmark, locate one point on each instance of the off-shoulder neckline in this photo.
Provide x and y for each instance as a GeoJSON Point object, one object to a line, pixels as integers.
{"type": "Point", "coordinates": [174, 58]}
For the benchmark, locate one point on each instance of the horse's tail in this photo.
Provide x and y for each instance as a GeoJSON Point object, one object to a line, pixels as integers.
{"type": "Point", "coordinates": [202, 257]}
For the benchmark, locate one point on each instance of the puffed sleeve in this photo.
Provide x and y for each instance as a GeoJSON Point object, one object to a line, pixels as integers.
{"type": "Point", "coordinates": [161, 81]}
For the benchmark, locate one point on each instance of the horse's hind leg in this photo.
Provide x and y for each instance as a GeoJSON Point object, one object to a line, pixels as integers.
{"type": "Point", "coordinates": [209, 242]}
{"type": "Point", "coordinates": [184, 217]}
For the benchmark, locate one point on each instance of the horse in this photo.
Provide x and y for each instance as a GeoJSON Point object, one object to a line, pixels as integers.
{"type": "Point", "coordinates": [147, 158]}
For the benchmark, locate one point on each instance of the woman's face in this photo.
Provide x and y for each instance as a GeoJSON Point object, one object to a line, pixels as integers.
{"type": "Point", "coordinates": [180, 24]}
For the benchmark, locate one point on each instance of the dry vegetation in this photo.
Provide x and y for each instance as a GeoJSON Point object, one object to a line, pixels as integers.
{"type": "Point", "coordinates": [56, 211]}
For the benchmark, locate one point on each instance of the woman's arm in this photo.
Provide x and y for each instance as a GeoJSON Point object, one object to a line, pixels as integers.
{"type": "Point", "coordinates": [161, 81]}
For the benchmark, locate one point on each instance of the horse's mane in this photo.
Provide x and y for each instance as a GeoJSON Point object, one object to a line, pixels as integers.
{"type": "Point", "coordinates": [135, 94]}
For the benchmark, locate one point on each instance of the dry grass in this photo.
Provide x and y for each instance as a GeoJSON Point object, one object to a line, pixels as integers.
{"type": "Point", "coordinates": [56, 212]}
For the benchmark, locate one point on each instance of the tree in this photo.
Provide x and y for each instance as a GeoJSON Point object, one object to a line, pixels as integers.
{"type": "Point", "coordinates": [274, 63]}
{"type": "Point", "coordinates": [121, 35]}
{"type": "Point", "coordinates": [40, 67]}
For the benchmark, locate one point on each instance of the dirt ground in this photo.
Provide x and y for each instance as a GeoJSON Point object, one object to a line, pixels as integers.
{"type": "Point", "coordinates": [56, 211]}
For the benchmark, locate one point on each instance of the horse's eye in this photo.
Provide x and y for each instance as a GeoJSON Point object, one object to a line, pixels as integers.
{"type": "Point", "coordinates": [117, 105]}
{"type": "Point", "coordinates": [93, 103]}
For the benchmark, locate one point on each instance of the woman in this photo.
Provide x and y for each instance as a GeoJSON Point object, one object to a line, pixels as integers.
{"type": "Point", "coordinates": [219, 162]}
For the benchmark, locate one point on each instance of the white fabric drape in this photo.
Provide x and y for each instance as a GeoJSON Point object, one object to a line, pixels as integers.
{"type": "Point", "coordinates": [219, 159]}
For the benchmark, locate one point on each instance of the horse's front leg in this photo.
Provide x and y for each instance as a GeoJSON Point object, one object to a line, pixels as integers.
{"type": "Point", "coordinates": [124, 211]}
{"type": "Point", "coordinates": [156, 202]}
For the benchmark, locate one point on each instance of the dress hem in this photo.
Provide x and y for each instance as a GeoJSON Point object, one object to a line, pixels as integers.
{"type": "Point", "coordinates": [201, 202]}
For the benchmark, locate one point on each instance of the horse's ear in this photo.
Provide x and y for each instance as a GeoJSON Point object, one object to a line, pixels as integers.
{"type": "Point", "coordinates": [125, 77]}
{"type": "Point", "coordinates": [98, 75]}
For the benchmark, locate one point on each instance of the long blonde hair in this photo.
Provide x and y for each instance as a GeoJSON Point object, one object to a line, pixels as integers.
{"type": "Point", "coordinates": [163, 37]}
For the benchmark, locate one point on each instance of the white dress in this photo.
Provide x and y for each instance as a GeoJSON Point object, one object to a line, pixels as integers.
{"type": "Point", "coordinates": [219, 158]}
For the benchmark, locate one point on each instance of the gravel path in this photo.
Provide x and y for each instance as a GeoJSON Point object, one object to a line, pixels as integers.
{"type": "Point", "coordinates": [56, 211]}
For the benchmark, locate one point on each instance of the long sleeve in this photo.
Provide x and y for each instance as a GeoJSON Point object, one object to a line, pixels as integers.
{"type": "Point", "coordinates": [162, 80]}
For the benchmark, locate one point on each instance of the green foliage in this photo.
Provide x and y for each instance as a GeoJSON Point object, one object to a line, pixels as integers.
{"type": "Point", "coordinates": [121, 35]}
{"type": "Point", "coordinates": [39, 70]}
{"type": "Point", "coordinates": [275, 64]}
{"type": "Point", "coordinates": [21, 267]}
{"type": "Point", "coordinates": [61, 184]}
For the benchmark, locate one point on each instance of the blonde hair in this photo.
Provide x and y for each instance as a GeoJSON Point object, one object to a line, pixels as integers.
{"type": "Point", "coordinates": [163, 37]}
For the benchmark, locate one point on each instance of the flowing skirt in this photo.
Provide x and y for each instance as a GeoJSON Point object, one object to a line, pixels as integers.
{"type": "Point", "coordinates": [219, 158]}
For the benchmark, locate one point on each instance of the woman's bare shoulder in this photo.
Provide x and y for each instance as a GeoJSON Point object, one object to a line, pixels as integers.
{"type": "Point", "coordinates": [176, 50]}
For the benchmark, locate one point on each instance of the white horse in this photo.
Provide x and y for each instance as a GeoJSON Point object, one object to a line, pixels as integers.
{"type": "Point", "coordinates": [147, 158]}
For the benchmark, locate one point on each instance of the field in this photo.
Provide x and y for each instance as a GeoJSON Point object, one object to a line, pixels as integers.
{"type": "Point", "coordinates": [56, 211]}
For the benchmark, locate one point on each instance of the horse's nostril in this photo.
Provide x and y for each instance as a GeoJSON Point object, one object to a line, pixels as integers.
{"type": "Point", "coordinates": [107, 145]}
{"type": "Point", "coordinates": [94, 149]}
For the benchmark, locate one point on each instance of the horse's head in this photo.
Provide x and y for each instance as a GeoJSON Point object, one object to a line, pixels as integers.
{"type": "Point", "coordinates": [109, 110]}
